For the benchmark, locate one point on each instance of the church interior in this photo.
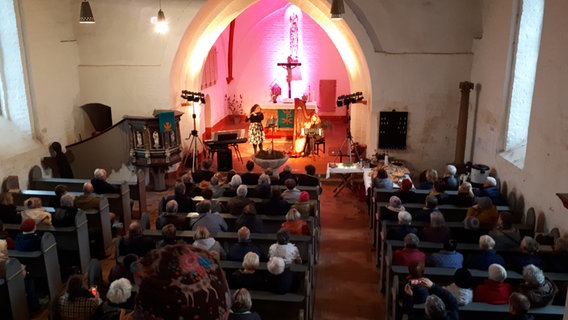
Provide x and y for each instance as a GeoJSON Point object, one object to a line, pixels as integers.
{"type": "Point", "coordinates": [477, 82]}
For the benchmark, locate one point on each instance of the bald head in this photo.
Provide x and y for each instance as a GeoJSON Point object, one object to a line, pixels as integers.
{"type": "Point", "coordinates": [88, 188]}
{"type": "Point", "coordinates": [243, 234]}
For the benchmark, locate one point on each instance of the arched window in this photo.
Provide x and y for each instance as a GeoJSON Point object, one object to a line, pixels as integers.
{"type": "Point", "coordinates": [14, 105]}
{"type": "Point", "coordinates": [523, 73]}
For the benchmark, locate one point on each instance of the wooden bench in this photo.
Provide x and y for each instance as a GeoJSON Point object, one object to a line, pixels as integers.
{"type": "Point", "coordinates": [270, 305]}
{"type": "Point", "coordinates": [137, 189]}
{"type": "Point", "coordinates": [43, 265]}
{"type": "Point", "coordinates": [71, 239]}
{"type": "Point", "coordinates": [13, 292]}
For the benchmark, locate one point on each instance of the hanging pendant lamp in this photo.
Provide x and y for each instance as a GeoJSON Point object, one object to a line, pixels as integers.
{"type": "Point", "coordinates": [337, 9]}
{"type": "Point", "coordinates": [161, 23]}
{"type": "Point", "coordinates": [86, 13]}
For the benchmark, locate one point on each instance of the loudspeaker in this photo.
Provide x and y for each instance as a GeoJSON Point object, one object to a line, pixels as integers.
{"type": "Point", "coordinates": [224, 159]}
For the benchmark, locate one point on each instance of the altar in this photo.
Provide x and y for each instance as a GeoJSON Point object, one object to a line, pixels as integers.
{"type": "Point", "coordinates": [311, 105]}
{"type": "Point", "coordinates": [284, 112]}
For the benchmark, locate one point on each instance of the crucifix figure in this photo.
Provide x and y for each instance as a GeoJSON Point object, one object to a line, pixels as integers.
{"type": "Point", "coordinates": [291, 64]}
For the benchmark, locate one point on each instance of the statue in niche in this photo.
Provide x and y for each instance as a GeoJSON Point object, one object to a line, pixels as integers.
{"type": "Point", "coordinates": [139, 141]}
{"type": "Point", "coordinates": [156, 137]}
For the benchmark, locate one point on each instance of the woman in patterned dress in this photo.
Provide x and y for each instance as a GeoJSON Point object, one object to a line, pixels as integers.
{"type": "Point", "coordinates": [256, 131]}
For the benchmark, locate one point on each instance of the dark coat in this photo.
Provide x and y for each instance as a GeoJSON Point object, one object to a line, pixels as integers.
{"type": "Point", "coordinates": [482, 259]}
{"type": "Point", "coordinates": [238, 250]}
{"type": "Point", "coordinates": [102, 187]}
{"type": "Point", "coordinates": [27, 242]}
{"type": "Point", "coordinates": [250, 221]}
{"type": "Point", "coordinates": [250, 178]}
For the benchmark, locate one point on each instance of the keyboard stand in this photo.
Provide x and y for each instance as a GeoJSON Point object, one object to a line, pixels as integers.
{"type": "Point", "coordinates": [237, 152]}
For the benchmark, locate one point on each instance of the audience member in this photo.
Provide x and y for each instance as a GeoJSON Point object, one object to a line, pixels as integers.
{"type": "Point", "coordinates": [238, 250]}
{"type": "Point", "coordinates": [8, 210]}
{"type": "Point", "coordinates": [410, 253]}
{"type": "Point", "coordinates": [295, 223]}
{"type": "Point", "coordinates": [208, 297]}
{"type": "Point", "coordinates": [64, 216]}
{"type": "Point", "coordinates": [391, 210]}
{"type": "Point", "coordinates": [249, 277]}
{"type": "Point", "coordinates": [275, 206]}
{"type": "Point", "coordinates": [440, 304]}
{"type": "Point", "coordinates": [249, 219]}
{"type": "Point", "coordinates": [470, 232]}
{"type": "Point", "coordinates": [100, 184]}
{"type": "Point", "coordinates": [241, 307]}
{"type": "Point", "coordinates": [216, 205]}
{"type": "Point", "coordinates": [490, 190]}
{"type": "Point", "coordinates": [234, 184]}
{"type": "Point", "coordinates": [205, 172]}
{"type": "Point", "coordinates": [5, 235]}
{"type": "Point", "coordinates": [78, 302]}
{"type": "Point", "coordinates": [381, 179]}
{"type": "Point", "coordinates": [213, 221]}
{"type": "Point", "coordinates": [284, 249]}
{"type": "Point", "coordinates": [239, 201]}
{"type": "Point", "coordinates": [60, 190]}
{"type": "Point", "coordinates": [262, 189]}
{"type": "Point", "coordinates": [404, 227]}
{"type": "Point", "coordinates": [539, 289]}
{"type": "Point", "coordinates": [169, 236]}
{"type": "Point", "coordinates": [119, 298]}
{"type": "Point", "coordinates": [529, 255]}
{"type": "Point", "coordinates": [191, 188]}
{"type": "Point", "coordinates": [204, 240]}
{"type": "Point", "coordinates": [124, 269]}
{"type": "Point", "coordinates": [484, 211]}
{"type": "Point", "coordinates": [406, 191]}
{"type": "Point", "coordinates": [35, 211]}
{"type": "Point", "coordinates": [87, 201]}
{"type": "Point", "coordinates": [465, 196]}
{"type": "Point", "coordinates": [28, 239]}
{"type": "Point", "coordinates": [135, 242]}
{"type": "Point", "coordinates": [291, 194]}
{"type": "Point", "coordinates": [450, 177]}
{"type": "Point", "coordinates": [485, 257]}
{"type": "Point", "coordinates": [309, 178]}
{"type": "Point", "coordinates": [286, 174]}
{"type": "Point", "coordinates": [493, 290]}
{"type": "Point", "coordinates": [448, 257]}
{"type": "Point", "coordinates": [429, 177]}
{"type": "Point", "coordinates": [519, 306]}
{"type": "Point", "coordinates": [249, 177]}
{"type": "Point", "coordinates": [506, 236]}
{"type": "Point", "coordinates": [185, 204]}
{"type": "Point", "coordinates": [437, 231]}
{"type": "Point", "coordinates": [273, 178]}
{"type": "Point", "coordinates": [217, 189]}
{"type": "Point", "coordinates": [415, 274]}
{"type": "Point", "coordinates": [230, 174]}
{"type": "Point", "coordinates": [439, 191]}
{"type": "Point", "coordinates": [303, 204]}
{"type": "Point", "coordinates": [280, 280]}
{"type": "Point", "coordinates": [461, 287]}
{"type": "Point", "coordinates": [559, 258]}
{"type": "Point", "coordinates": [171, 216]}
{"type": "Point", "coordinates": [430, 205]}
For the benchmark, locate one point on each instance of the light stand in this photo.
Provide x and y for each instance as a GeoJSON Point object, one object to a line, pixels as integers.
{"type": "Point", "coordinates": [347, 100]}
{"type": "Point", "coordinates": [194, 98]}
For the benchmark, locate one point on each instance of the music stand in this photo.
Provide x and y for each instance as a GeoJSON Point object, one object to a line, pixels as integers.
{"type": "Point", "coordinates": [271, 123]}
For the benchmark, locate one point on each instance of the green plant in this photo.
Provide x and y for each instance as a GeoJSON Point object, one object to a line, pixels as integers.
{"type": "Point", "coordinates": [234, 104]}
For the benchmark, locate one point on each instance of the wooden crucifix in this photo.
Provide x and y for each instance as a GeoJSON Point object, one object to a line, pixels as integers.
{"type": "Point", "coordinates": [289, 66]}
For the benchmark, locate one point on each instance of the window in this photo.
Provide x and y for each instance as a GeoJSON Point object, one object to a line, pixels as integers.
{"type": "Point", "coordinates": [523, 73]}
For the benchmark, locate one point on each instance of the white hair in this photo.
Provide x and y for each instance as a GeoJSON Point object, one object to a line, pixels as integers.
{"type": "Point", "coordinates": [251, 261]}
{"type": "Point", "coordinates": [451, 169]}
{"type": "Point", "coordinates": [491, 181]}
{"type": "Point", "coordinates": [404, 217]}
{"type": "Point", "coordinates": [67, 200]}
{"type": "Point", "coordinates": [100, 174]}
{"type": "Point", "coordinates": [119, 291]}
{"type": "Point", "coordinates": [293, 214]}
{"type": "Point", "coordinates": [242, 190]}
{"type": "Point", "coordinates": [497, 273]}
{"type": "Point", "coordinates": [486, 242]}
{"type": "Point", "coordinates": [276, 265]}
{"type": "Point", "coordinates": [236, 180]}
{"type": "Point", "coordinates": [533, 275]}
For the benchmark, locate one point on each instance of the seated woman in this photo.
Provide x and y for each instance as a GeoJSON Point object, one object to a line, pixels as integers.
{"type": "Point", "coordinates": [242, 304]}
{"type": "Point", "coordinates": [415, 273]}
{"type": "Point", "coordinates": [484, 211]}
{"type": "Point", "coordinates": [78, 302]}
{"type": "Point", "coordinates": [465, 197]}
{"type": "Point", "coordinates": [427, 179]}
{"type": "Point", "coordinates": [461, 287]}
{"type": "Point", "coordinates": [35, 211]}
{"type": "Point", "coordinates": [449, 177]}
{"type": "Point", "coordinates": [249, 219]}
{"type": "Point", "coordinates": [410, 253]}
{"type": "Point", "coordinates": [538, 288]}
{"type": "Point", "coordinates": [439, 191]}
{"type": "Point", "coordinates": [406, 191]}
{"type": "Point", "coordinates": [381, 179]}
{"type": "Point", "coordinates": [284, 249]}
{"type": "Point", "coordinates": [204, 240]}
{"type": "Point", "coordinates": [447, 257]}
{"type": "Point", "coordinates": [234, 183]}
{"type": "Point", "coordinates": [119, 298]}
{"type": "Point", "coordinates": [430, 205]}
{"type": "Point", "coordinates": [528, 255]}
{"type": "Point", "coordinates": [249, 277]}
{"type": "Point", "coordinates": [440, 304]}
{"type": "Point", "coordinates": [8, 210]}
{"type": "Point", "coordinates": [506, 236]}
{"type": "Point", "coordinates": [483, 258]}
{"type": "Point", "coordinates": [437, 231]}
{"type": "Point", "coordinates": [295, 223]}
{"type": "Point", "coordinates": [404, 227]}
{"type": "Point", "coordinates": [303, 204]}
{"type": "Point", "coordinates": [280, 280]}
{"type": "Point", "coordinates": [493, 290]}
{"type": "Point", "coordinates": [263, 188]}
{"type": "Point", "coordinates": [390, 211]}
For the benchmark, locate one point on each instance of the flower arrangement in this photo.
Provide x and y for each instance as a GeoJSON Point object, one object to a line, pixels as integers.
{"type": "Point", "coordinates": [234, 104]}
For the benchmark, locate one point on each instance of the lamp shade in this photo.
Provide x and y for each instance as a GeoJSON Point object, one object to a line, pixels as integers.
{"type": "Point", "coordinates": [86, 13]}
{"type": "Point", "coordinates": [337, 9]}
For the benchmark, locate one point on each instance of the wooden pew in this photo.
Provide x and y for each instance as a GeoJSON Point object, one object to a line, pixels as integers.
{"type": "Point", "coordinates": [42, 264]}
{"type": "Point", "coordinates": [137, 189]}
{"type": "Point", "coordinates": [280, 306]}
{"type": "Point", "coordinates": [13, 291]}
{"type": "Point", "coordinates": [73, 239]}
{"type": "Point", "coordinates": [271, 223]}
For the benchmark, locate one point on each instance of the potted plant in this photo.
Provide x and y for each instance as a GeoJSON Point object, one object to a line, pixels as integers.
{"type": "Point", "coordinates": [235, 107]}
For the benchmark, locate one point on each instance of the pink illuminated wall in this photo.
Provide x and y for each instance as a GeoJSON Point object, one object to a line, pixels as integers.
{"type": "Point", "coordinates": [262, 40]}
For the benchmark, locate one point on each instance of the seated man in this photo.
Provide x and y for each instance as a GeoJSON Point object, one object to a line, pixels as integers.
{"type": "Point", "coordinates": [171, 216]}
{"type": "Point", "coordinates": [410, 253]}
{"type": "Point", "coordinates": [87, 201]}
{"type": "Point", "coordinates": [431, 205]}
{"type": "Point", "coordinates": [213, 221]}
{"type": "Point", "coordinates": [205, 172]}
{"type": "Point", "coordinates": [483, 258]}
{"type": "Point", "coordinates": [448, 257]}
{"type": "Point", "coordinates": [100, 184]}
{"type": "Point", "coordinates": [450, 177]}
{"type": "Point", "coordinates": [238, 250]}
{"type": "Point", "coordinates": [249, 177]}
{"type": "Point", "coordinates": [237, 203]}
{"type": "Point", "coordinates": [490, 190]}
{"type": "Point", "coordinates": [309, 178]}
{"type": "Point", "coordinates": [135, 242]}
{"type": "Point", "coordinates": [64, 216]}
{"type": "Point", "coordinates": [285, 174]}
{"type": "Point", "coordinates": [519, 306]}
{"type": "Point", "coordinates": [484, 211]}
{"type": "Point", "coordinates": [185, 204]}
{"type": "Point", "coordinates": [291, 194]}
{"type": "Point", "coordinates": [440, 304]}
{"type": "Point", "coordinates": [506, 236]}
{"type": "Point", "coordinates": [60, 190]}
{"type": "Point", "coordinates": [404, 227]}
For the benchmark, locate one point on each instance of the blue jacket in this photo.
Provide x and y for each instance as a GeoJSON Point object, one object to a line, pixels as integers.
{"type": "Point", "coordinates": [481, 260]}
{"type": "Point", "coordinates": [27, 242]}
{"type": "Point", "coordinates": [446, 259]}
